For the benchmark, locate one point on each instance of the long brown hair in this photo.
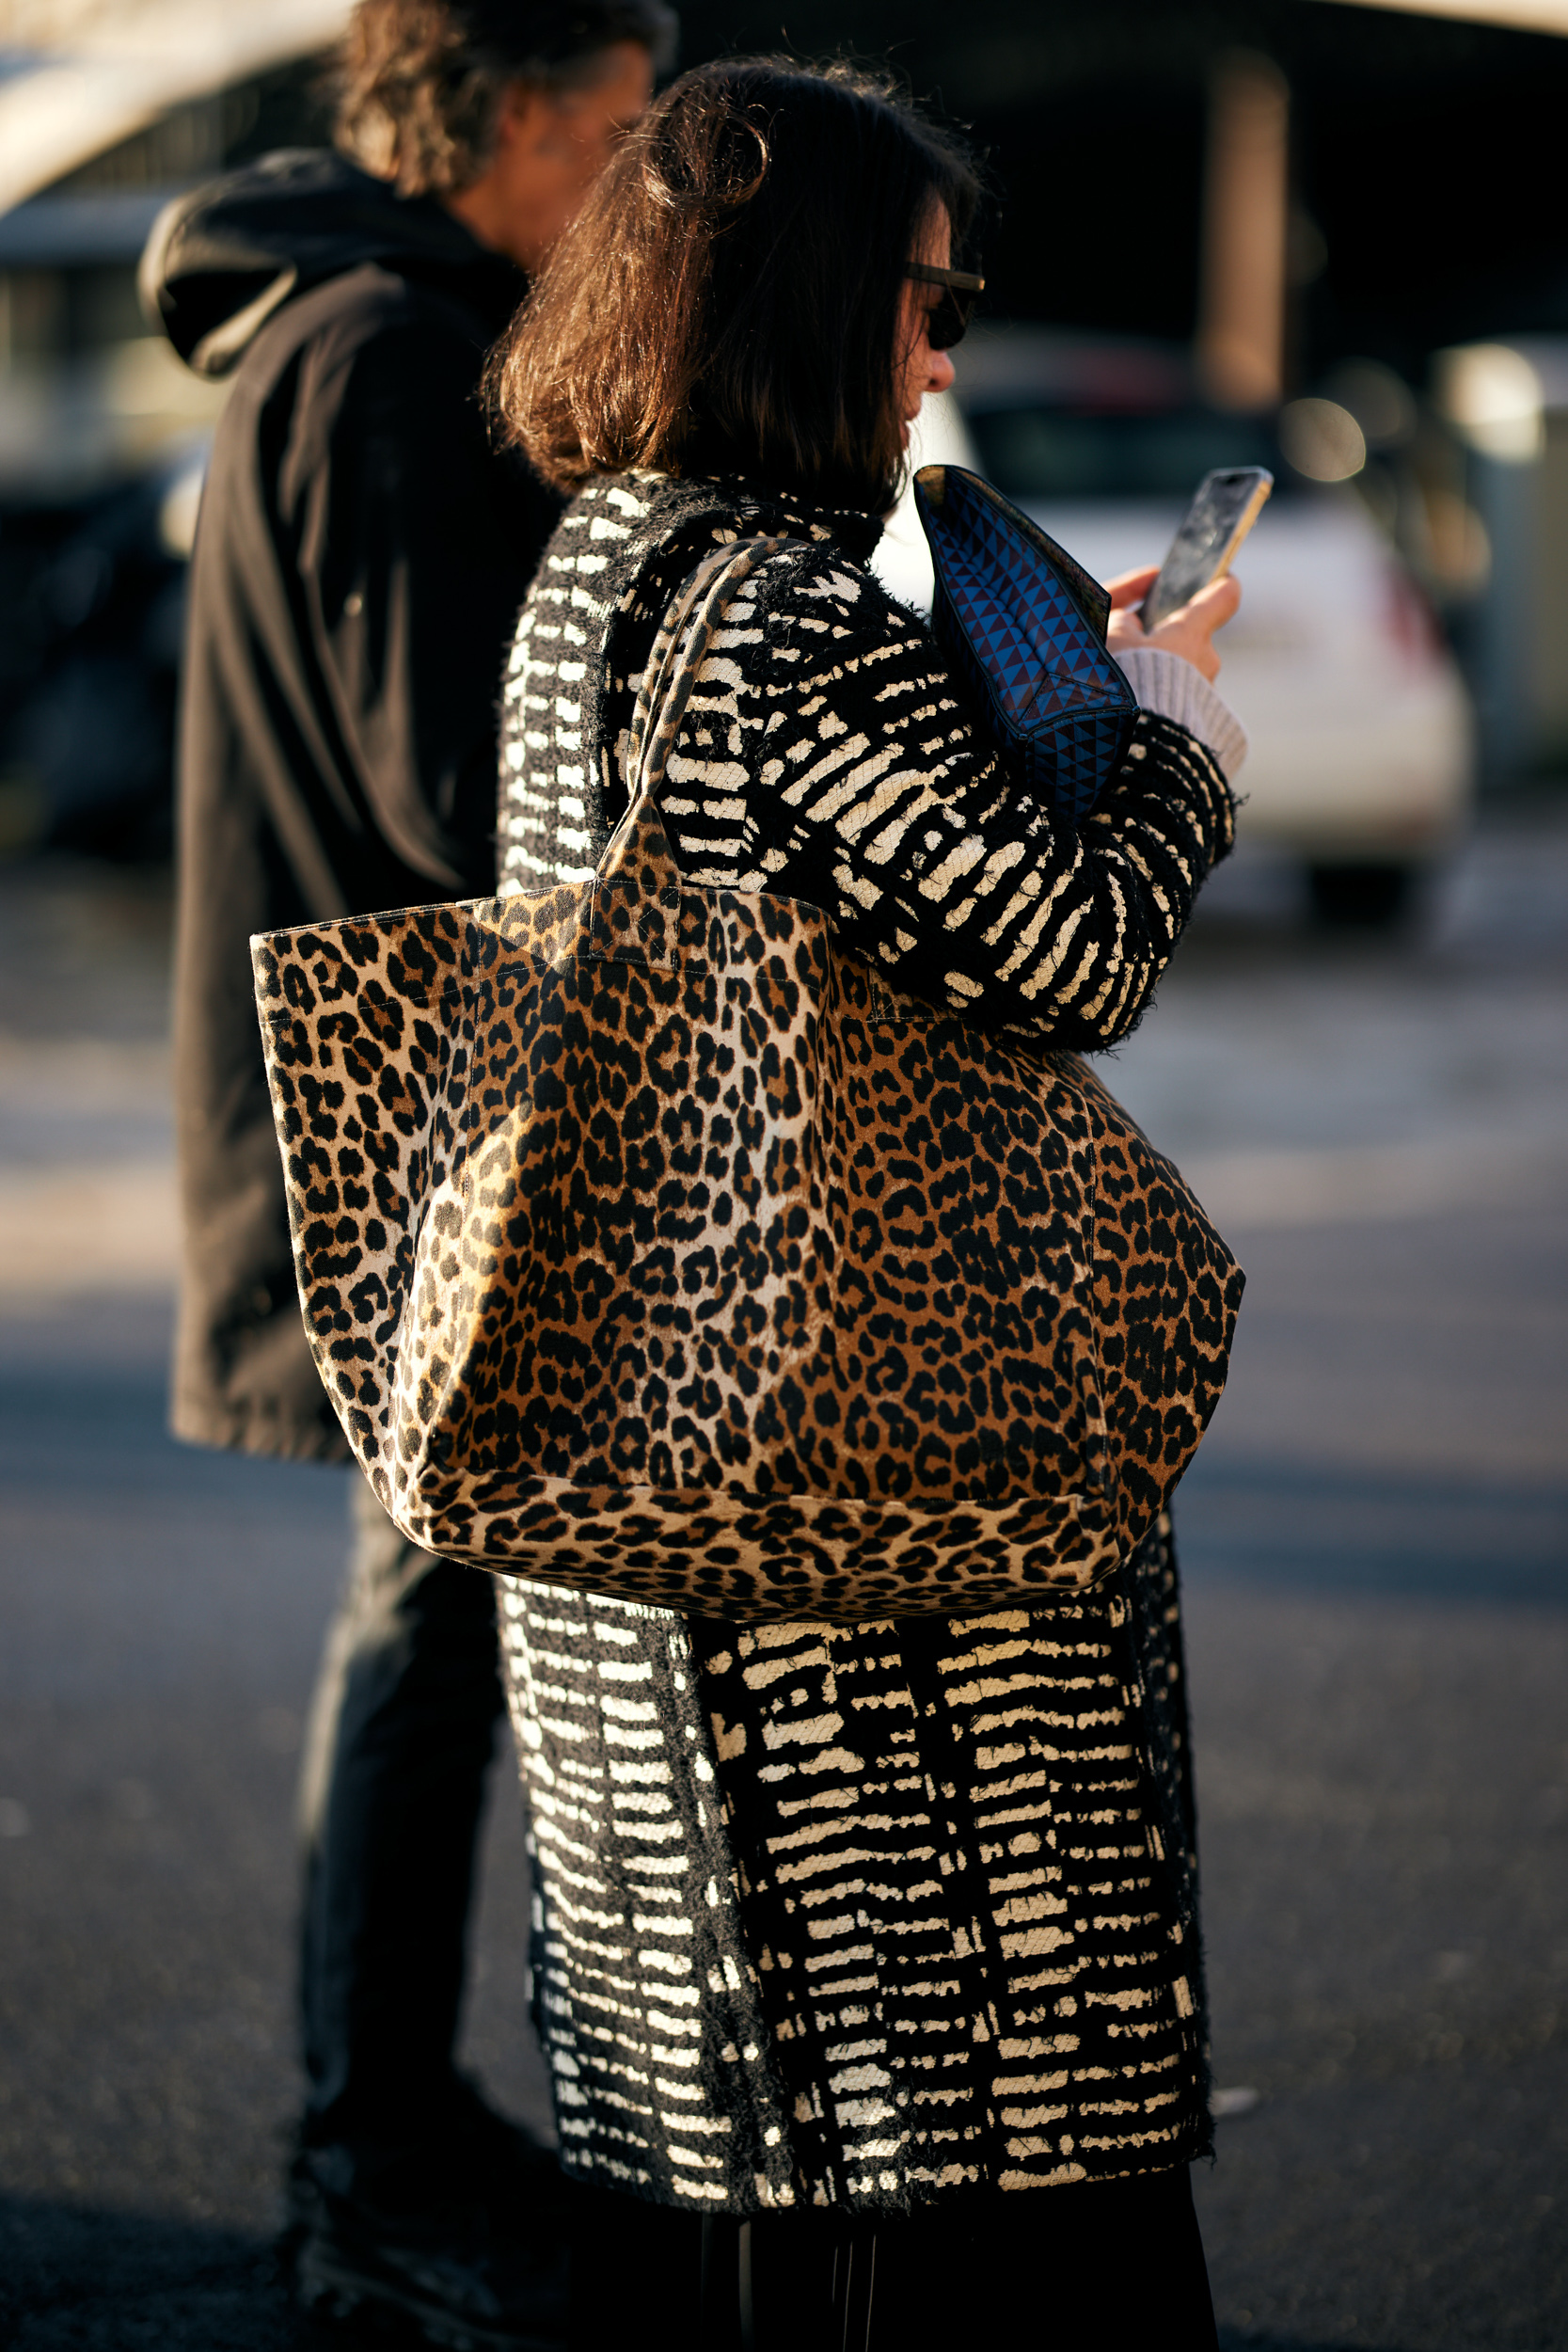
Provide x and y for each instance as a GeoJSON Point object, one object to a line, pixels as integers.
{"type": "Point", "coordinates": [729, 299]}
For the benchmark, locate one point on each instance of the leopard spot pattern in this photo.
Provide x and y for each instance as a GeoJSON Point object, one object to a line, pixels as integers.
{"type": "Point", "coordinates": [650, 1243]}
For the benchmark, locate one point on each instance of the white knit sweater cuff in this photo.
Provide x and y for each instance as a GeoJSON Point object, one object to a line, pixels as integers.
{"type": "Point", "coordinates": [1171, 688]}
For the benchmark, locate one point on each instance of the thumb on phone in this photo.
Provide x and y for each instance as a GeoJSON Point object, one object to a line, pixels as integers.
{"type": "Point", "coordinates": [1190, 632]}
{"type": "Point", "coordinates": [1131, 587]}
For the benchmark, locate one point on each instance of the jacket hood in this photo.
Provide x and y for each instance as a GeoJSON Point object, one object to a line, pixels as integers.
{"type": "Point", "coordinates": [223, 258]}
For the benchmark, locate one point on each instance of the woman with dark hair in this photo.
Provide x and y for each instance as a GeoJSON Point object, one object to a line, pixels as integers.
{"type": "Point", "coordinates": [868, 1955]}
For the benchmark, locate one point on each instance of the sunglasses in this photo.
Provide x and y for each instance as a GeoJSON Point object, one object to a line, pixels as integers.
{"type": "Point", "coordinates": [950, 317]}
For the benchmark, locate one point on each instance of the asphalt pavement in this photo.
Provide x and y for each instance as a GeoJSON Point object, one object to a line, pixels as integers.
{"type": "Point", "coordinates": [1375, 1540]}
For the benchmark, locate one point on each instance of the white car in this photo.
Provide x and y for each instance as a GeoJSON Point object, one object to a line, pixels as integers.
{"type": "Point", "coordinates": [1362, 752]}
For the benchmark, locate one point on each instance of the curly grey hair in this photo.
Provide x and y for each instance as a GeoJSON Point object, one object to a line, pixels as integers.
{"type": "Point", "coordinates": [419, 82]}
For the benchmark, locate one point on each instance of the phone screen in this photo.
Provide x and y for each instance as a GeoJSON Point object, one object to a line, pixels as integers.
{"type": "Point", "coordinates": [1225, 506]}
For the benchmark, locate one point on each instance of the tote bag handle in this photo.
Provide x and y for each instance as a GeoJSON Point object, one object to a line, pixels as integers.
{"type": "Point", "coordinates": [637, 888]}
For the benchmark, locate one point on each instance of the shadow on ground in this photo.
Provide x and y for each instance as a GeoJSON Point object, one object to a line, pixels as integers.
{"type": "Point", "coordinates": [1231, 2341]}
{"type": "Point", "coordinates": [1376, 1542]}
{"type": "Point", "coordinates": [74, 2281]}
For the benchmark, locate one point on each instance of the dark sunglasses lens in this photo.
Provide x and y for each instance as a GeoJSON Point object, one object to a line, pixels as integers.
{"type": "Point", "coordinates": [949, 319]}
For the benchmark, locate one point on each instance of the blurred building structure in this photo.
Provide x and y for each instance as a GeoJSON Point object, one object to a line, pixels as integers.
{"type": "Point", "coordinates": [1508, 404]}
{"type": "Point", "coordinates": [106, 110]}
{"type": "Point", "coordinates": [81, 76]}
{"type": "Point", "coordinates": [90, 393]}
{"type": "Point", "coordinates": [1239, 336]}
{"type": "Point", "coordinates": [1313, 196]}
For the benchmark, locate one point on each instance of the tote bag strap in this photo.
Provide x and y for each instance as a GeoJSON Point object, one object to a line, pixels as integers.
{"type": "Point", "coordinates": [638, 884]}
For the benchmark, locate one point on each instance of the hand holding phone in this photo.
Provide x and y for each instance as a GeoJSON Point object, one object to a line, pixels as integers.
{"type": "Point", "coordinates": [1189, 634]}
{"type": "Point", "coordinates": [1225, 506]}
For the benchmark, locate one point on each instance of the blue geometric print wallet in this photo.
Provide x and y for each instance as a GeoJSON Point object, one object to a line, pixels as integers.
{"type": "Point", "coordinates": [1024, 628]}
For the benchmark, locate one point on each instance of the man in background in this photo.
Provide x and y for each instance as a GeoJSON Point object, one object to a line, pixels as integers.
{"type": "Point", "coordinates": [360, 559]}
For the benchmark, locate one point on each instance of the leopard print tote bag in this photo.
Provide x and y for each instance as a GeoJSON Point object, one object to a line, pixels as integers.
{"type": "Point", "coordinates": [649, 1242]}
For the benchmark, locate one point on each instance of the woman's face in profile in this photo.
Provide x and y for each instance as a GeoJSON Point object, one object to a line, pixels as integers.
{"type": "Point", "coordinates": [924, 369]}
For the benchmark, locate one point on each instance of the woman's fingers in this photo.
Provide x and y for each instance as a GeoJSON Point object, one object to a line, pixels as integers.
{"type": "Point", "coordinates": [1128, 591]}
{"type": "Point", "coordinates": [1131, 587]}
{"type": "Point", "coordinates": [1191, 631]}
{"type": "Point", "coordinates": [1217, 603]}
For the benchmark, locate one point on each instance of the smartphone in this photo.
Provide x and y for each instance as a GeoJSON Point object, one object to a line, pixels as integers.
{"type": "Point", "coordinates": [1225, 506]}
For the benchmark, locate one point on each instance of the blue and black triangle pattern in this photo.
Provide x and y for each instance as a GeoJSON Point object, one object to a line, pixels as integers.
{"type": "Point", "coordinates": [1024, 628]}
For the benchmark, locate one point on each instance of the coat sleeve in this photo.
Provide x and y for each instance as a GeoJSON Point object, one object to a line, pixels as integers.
{"type": "Point", "coordinates": [828, 753]}
{"type": "Point", "coordinates": [415, 545]}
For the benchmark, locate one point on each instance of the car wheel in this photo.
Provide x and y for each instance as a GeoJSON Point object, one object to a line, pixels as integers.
{"type": "Point", "coordinates": [1360, 896]}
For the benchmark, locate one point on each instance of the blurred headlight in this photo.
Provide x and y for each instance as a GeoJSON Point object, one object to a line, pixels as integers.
{"type": "Point", "coordinates": [1494, 395]}
{"type": "Point", "coordinates": [1322, 440]}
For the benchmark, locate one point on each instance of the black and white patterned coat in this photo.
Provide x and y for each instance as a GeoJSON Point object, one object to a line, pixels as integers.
{"type": "Point", "coordinates": [867, 1916]}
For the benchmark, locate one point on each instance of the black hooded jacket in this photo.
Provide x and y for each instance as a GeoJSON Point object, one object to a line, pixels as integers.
{"type": "Point", "coordinates": [361, 555]}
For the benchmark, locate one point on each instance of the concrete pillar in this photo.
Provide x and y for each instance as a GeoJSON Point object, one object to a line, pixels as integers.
{"type": "Point", "coordinates": [1241, 333]}
{"type": "Point", "coordinates": [1491, 393]}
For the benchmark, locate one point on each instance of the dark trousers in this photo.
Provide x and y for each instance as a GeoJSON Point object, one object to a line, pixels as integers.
{"type": "Point", "coordinates": [1107, 2267]}
{"type": "Point", "coordinates": [402, 1731]}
